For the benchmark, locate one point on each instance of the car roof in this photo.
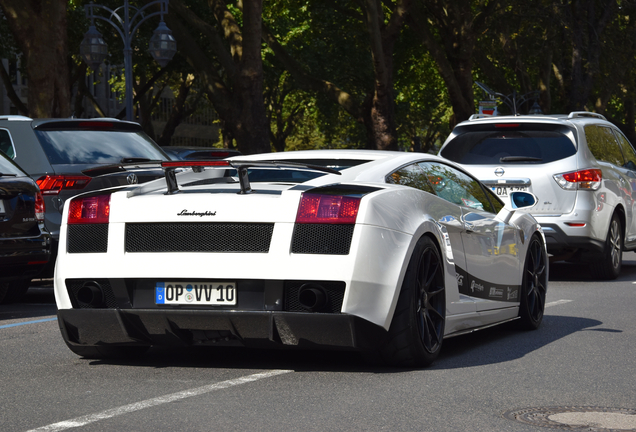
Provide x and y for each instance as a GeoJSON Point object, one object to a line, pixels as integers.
{"type": "Point", "coordinates": [535, 118]}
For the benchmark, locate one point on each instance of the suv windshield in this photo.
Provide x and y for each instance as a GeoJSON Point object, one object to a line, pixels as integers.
{"type": "Point", "coordinates": [96, 146]}
{"type": "Point", "coordinates": [517, 143]}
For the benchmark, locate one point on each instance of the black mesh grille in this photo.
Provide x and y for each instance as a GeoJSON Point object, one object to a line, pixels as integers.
{"type": "Point", "coordinates": [89, 238]}
{"type": "Point", "coordinates": [335, 295]}
{"type": "Point", "coordinates": [322, 239]}
{"type": "Point", "coordinates": [74, 285]}
{"type": "Point", "coordinates": [198, 237]}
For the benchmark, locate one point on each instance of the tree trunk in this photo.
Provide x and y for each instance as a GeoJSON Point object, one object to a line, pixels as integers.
{"type": "Point", "coordinates": [39, 28]}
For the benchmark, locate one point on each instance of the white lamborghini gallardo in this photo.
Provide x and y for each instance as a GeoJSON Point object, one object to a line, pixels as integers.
{"type": "Point", "coordinates": [383, 252]}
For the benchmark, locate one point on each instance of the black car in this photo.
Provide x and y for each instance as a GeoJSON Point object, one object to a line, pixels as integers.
{"type": "Point", "coordinates": [24, 242]}
{"type": "Point", "coordinates": [54, 152]}
{"type": "Point", "coordinates": [201, 153]}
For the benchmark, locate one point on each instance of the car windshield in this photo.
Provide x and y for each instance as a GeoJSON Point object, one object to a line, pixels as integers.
{"type": "Point", "coordinates": [275, 175]}
{"type": "Point", "coordinates": [493, 147]}
{"type": "Point", "coordinates": [97, 146]}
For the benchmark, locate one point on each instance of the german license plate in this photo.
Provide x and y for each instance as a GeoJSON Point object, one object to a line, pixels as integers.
{"type": "Point", "coordinates": [506, 190]}
{"type": "Point", "coordinates": [195, 293]}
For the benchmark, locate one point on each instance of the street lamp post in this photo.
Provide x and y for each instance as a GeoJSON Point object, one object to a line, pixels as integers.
{"type": "Point", "coordinates": [162, 44]}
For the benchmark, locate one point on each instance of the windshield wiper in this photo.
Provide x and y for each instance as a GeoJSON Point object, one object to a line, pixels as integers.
{"type": "Point", "coordinates": [7, 175]}
{"type": "Point", "coordinates": [520, 159]}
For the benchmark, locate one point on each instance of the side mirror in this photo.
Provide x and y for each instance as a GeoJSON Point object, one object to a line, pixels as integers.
{"type": "Point", "coordinates": [522, 200]}
{"type": "Point", "coordinates": [517, 200]}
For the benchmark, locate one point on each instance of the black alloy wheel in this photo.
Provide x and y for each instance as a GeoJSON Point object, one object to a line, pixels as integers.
{"type": "Point", "coordinates": [431, 300]}
{"type": "Point", "coordinates": [417, 329]}
{"type": "Point", "coordinates": [534, 285]}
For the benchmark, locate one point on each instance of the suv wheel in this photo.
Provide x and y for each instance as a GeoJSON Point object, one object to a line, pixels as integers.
{"type": "Point", "coordinates": [608, 265]}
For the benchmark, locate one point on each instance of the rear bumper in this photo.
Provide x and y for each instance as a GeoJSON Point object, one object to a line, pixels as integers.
{"type": "Point", "coordinates": [24, 258]}
{"type": "Point", "coordinates": [258, 329]}
{"type": "Point", "coordinates": [557, 240]}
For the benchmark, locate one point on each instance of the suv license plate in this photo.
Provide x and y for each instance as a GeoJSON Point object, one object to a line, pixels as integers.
{"type": "Point", "coordinates": [196, 293]}
{"type": "Point", "coordinates": [506, 190]}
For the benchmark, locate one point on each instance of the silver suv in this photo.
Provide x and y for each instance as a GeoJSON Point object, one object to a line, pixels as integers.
{"type": "Point", "coordinates": [581, 168]}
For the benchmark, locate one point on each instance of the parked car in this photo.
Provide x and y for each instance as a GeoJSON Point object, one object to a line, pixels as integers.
{"type": "Point", "coordinates": [55, 151]}
{"type": "Point", "coordinates": [581, 167]}
{"type": "Point", "coordinates": [24, 242]}
{"type": "Point", "coordinates": [202, 153]}
{"type": "Point", "coordinates": [384, 252]}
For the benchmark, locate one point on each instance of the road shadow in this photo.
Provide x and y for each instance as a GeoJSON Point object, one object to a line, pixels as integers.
{"type": "Point", "coordinates": [564, 271]}
{"type": "Point", "coordinates": [490, 346]}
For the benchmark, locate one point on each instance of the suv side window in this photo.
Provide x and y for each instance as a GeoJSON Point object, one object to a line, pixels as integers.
{"type": "Point", "coordinates": [6, 145]}
{"type": "Point", "coordinates": [456, 187]}
{"type": "Point", "coordinates": [411, 175]}
{"type": "Point", "coordinates": [603, 144]}
{"type": "Point", "coordinates": [628, 151]}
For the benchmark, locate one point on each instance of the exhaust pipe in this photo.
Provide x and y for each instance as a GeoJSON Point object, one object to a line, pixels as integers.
{"type": "Point", "coordinates": [91, 294]}
{"type": "Point", "coordinates": [312, 297]}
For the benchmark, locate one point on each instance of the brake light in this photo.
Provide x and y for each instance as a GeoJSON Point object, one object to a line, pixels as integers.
{"type": "Point", "coordinates": [53, 184]}
{"type": "Point", "coordinates": [89, 210]}
{"type": "Point", "coordinates": [327, 209]}
{"type": "Point", "coordinates": [96, 125]}
{"type": "Point", "coordinates": [190, 163]}
{"type": "Point", "coordinates": [39, 207]}
{"type": "Point", "coordinates": [506, 125]}
{"type": "Point", "coordinates": [582, 179]}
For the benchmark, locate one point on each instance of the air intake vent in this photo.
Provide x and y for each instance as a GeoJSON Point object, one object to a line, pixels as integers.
{"type": "Point", "coordinates": [198, 237]}
{"type": "Point", "coordinates": [325, 239]}
{"type": "Point", "coordinates": [89, 238]}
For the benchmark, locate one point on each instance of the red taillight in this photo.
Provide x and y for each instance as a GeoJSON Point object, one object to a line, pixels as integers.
{"type": "Point", "coordinates": [506, 125]}
{"type": "Point", "coordinates": [582, 179]}
{"type": "Point", "coordinates": [39, 207]}
{"type": "Point", "coordinates": [589, 175]}
{"type": "Point", "coordinates": [53, 184]}
{"type": "Point", "coordinates": [327, 209]}
{"type": "Point", "coordinates": [89, 210]}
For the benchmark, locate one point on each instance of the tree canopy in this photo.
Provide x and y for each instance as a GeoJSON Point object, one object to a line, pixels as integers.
{"type": "Point", "coordinates": [297, 74]}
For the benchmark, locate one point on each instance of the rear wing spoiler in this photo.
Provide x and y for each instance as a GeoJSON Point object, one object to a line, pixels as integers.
{"type": "Point", "coordinates": [170, 167]}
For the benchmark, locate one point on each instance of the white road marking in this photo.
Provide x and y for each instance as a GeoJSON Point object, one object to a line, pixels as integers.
{"type": "Point", "coordinates": [114, 412]}
{"type": "Point", "coordinates": [557, 302]}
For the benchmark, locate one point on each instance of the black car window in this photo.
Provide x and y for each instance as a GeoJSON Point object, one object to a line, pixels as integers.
{"type": "Point", "coordinates": [456, 186]}
{"type": "Point", "coordinates": [7, 166]}
{"type": "Point", "coordinates": [413, 176]}
{"type": "Point", "coordinates": [603, 144]}
{"type": "Point", "coordinates": [508, 145]}
{"type": "Point", "coordinates": [6, 145]}
{"type": "Point", "coordinates": [628, 151]}
{"type": "Point", "coordinates": [97, 146]}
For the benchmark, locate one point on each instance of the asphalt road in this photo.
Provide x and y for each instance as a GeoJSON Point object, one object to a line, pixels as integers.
{"type": "Point", "coordinates": [582, 356]}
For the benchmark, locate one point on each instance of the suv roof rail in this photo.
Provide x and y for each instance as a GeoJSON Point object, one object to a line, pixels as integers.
{"type": "Point", "coordinates": [15, 118]}
{"type": "Point", "coordinates": [577, 114]}
{"type": "Point", "coordinates": [478, 116]}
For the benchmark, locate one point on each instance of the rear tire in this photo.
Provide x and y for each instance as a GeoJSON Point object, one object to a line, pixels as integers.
{"type": "Point", "coordinates": [607, 265]}
{"type": "Point", "coordinates": [417, 329]}
{"type": "Point", "coordinates": [534, 286]}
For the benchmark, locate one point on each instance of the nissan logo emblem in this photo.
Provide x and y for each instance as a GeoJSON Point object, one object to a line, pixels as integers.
{"type": "Point", "coordinates": [132, 179]}
{"type": "Point", "coordinates": [499, 171]}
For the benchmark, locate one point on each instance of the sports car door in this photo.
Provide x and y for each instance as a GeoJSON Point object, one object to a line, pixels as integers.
{"type": "Point", "coordinates": [493, 266]}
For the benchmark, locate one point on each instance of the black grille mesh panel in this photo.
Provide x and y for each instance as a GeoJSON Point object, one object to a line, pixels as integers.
{"type": "Point", "coordinates": [89, 238]}
{"type": "Point", "coordinates": [74, 285]}
{"type": "Point", "coordinates": [335, 296]}
{"type": "Point", "coordinates": [322, 239]}
{"type": "Point", "coordinates": [198, 237]}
